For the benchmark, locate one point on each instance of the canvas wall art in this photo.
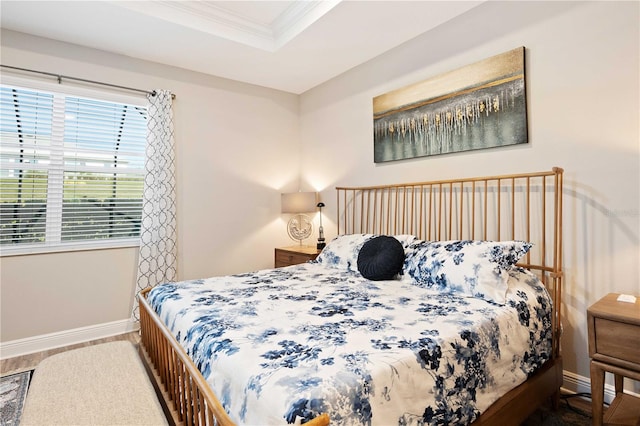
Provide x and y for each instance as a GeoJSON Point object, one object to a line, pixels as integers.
{"type": "Point", "coordinates": [482, 105]}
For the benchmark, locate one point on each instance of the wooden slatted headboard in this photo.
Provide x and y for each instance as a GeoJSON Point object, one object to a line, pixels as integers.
{"type": "Point", "coordinates": [525, 206]}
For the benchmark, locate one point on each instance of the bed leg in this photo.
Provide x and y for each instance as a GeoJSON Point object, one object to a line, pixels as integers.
{"type": "Point", "coordinates": [555, 400]}
{"type": "Point", "coordinates": [555, 396]}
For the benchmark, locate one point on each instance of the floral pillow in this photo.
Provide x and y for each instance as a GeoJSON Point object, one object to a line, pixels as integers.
{"type": "Point", "coordinates": [474, 268]}
{"type": "Point", "coordinates": [342, 252]}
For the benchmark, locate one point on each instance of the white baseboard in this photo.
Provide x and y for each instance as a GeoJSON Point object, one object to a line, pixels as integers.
{"type": "Point", "coordinates": [575, 383]}
{"type": "Point", "coordinates": [45, 342]}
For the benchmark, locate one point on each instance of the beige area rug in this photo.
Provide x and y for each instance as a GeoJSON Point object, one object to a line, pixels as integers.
{"type": "Point", "coordinates": [104, 384]}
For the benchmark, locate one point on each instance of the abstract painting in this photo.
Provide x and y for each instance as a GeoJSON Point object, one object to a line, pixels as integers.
{"type": "Point", "coordinates": [482, 105]}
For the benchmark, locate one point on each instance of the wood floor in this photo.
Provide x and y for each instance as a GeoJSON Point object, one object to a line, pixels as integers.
{"type": "Point", "coordinates": [31, 361]}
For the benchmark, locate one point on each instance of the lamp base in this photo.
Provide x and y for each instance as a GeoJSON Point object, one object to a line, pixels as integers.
{"type": "Point", "coordinates": [321, 242]}
{"type": "Point", "coordinates": [299, 227]}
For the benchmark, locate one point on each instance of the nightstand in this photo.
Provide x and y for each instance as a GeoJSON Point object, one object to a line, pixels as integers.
{"type": "Point", "coordinates": [614, 347]}
{"type": "Point", "coordinates": [286, 256]}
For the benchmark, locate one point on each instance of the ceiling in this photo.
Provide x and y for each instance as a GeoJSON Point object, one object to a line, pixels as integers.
{"type": "Point", "coordinates": [286, 45]}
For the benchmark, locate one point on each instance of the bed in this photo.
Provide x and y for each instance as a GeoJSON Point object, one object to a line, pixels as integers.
{"type": "Point", "coordinates": [467, 333]}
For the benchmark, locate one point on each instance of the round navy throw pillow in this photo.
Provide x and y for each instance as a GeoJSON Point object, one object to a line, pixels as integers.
{"type": "Point", "coordinates": [381, 258]}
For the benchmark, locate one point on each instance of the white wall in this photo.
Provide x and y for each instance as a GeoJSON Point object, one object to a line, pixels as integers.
{"type": "Point", "coordinates": [582, 76]}
{"type": "Point", "coordinates": [237, 148]}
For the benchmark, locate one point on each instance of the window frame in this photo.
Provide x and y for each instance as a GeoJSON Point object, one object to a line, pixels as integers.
{"type": "Point", "coordinates": [85, 92]}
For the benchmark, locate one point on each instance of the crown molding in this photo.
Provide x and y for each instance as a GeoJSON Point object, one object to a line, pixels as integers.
{"type": "Point", "coordinates": [299, 16]}
{"type": "Point", "coordinates": [211, 18]}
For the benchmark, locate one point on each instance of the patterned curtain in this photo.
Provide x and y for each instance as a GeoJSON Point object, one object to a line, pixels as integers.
{"type": "Point", "coordinates": [157, 259]}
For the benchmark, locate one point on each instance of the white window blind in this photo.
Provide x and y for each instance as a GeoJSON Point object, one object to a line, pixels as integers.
{"type": "Point", "coordinates": [71, 170]}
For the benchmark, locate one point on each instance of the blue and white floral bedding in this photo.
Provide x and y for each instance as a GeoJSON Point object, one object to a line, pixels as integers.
{"type": "Point", "coordinates": [283, 345]}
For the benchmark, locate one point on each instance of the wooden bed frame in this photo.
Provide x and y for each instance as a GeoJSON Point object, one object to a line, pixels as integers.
{"type": "Point", "coordinates": [510, 207]}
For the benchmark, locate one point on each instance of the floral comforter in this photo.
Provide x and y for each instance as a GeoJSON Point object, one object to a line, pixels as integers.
{"type": "Point", "coordinates": [283, 345]}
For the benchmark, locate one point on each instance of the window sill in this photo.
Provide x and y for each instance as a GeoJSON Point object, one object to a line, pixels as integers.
{"type": "Point", "coordinates": [28, 250]}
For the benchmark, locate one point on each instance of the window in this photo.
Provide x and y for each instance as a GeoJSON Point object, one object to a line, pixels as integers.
{"type": "Point", "coordinates": [71, 171]}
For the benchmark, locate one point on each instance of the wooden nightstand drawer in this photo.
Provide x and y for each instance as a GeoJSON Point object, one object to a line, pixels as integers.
{"type": "Point", "coordinates": [617, 340]}
{"type": "Point", "coordinates": [294, 255]}
{"type": "Point", "coordinates": [289, 258]}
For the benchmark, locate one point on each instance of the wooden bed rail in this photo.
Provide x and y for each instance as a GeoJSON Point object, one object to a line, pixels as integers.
{"type": "Point", "coordinates": [186, 396]}
{"type": "Point", "coordinates": [189, 398]}
{"type": "Point", "coordinates": [525, 206]}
